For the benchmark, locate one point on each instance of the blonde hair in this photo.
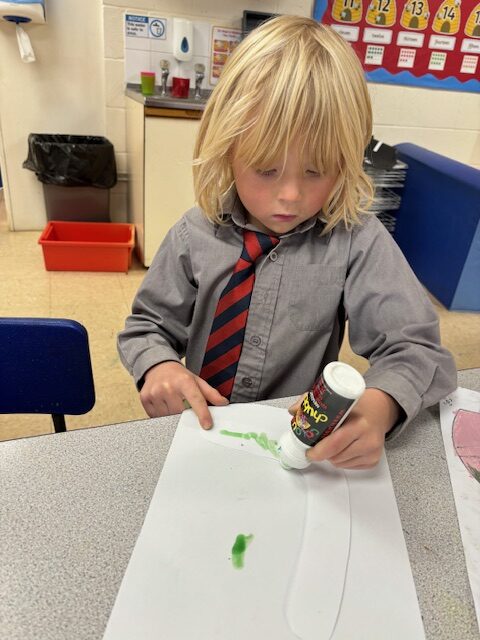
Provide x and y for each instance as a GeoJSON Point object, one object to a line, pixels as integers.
{"type": "Point", "coordinates": [291, 79]}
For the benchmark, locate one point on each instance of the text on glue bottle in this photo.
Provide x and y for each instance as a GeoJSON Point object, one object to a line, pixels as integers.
{"type": "Point", "coordinates": [322, 410]}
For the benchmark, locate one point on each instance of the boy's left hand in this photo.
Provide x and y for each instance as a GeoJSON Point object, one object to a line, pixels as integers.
{"type": "Point", "coordinates": [358, 442]}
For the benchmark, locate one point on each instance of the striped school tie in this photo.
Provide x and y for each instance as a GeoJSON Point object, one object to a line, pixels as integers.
{"type": "Point", "coordinates": [225, 343]}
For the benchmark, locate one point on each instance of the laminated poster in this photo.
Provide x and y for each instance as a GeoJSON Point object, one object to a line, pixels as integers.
{"type": "Point", "coordinates": [433, 43]}
{"type": "Point", "coordinates": [234, 546]}
{"type": "Point", "coordinates": [224, 41]}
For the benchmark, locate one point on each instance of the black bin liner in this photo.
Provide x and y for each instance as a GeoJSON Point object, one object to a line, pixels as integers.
{"type": "Point", "coordinates": [72, 161]}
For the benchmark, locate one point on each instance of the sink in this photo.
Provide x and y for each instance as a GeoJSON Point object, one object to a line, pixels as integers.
{"type": "Point", "coordinates": [168, 101]}
{"type": "Point", "coordinates": [175, 103]}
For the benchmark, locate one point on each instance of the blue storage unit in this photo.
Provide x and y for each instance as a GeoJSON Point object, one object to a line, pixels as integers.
{"type": "Point", "coordinates": [438, 226]}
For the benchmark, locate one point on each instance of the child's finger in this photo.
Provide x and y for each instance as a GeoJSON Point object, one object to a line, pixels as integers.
{"type": "Point", "coordinates": [332, 445]}
{"type": "Point", "coordinates": [211, 394]}
{"type": "Point", "coordinates": [175, 404]}
{"type": "Point", "coordinates": [357, 464]}
{"type": "Point", "coordinates": [296, 405]}
{"type": "Point", "coordinates": [154, 409]}
{"type": "Point", "coordinates": [195, 398]}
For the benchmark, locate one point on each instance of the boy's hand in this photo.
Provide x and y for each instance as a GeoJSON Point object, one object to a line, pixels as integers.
{"type": "Point", "coordinates": [358, 442]}
{"type": "Point", "coordinates": [169, 384]}
{"type": "Point", "coordinates": [296, 405]}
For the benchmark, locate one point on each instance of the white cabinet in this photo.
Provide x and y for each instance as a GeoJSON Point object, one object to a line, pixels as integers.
{"type": "Point", "coordinates": [160, 146]}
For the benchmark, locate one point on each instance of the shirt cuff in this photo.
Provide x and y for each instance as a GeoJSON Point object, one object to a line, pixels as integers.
{"type": "Point", "coordinates": [402, 391]}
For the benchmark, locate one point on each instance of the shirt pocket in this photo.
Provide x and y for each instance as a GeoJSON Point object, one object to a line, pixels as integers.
{"type": "Point", "coordinates": [314, 293]}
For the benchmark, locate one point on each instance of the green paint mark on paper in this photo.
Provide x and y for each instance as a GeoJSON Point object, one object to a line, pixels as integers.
{"type": "Point", "coordinates": [238, 550]}
{"type": "Point", "coordinates": [261, 439]}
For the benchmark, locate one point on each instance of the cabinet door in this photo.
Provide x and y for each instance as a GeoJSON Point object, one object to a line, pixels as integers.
{"type": "Point", "coordinates": [135, 170]}
{"type": "Point", "coordinates": [169, 146]}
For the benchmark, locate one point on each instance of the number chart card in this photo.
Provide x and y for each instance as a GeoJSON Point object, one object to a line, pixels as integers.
{"type": "Point", "coordinates": [434, 43]}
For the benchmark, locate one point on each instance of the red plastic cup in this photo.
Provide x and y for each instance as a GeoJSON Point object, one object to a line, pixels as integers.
{"type": "Point", "coordinates": [180, 87]}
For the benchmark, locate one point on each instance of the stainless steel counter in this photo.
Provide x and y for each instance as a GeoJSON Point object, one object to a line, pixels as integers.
{"type": "Point", "coordinates": [168, 101]}
{"type": "Point", "coordinates": [72, 505]}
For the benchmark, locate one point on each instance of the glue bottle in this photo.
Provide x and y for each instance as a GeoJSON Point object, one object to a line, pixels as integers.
{"type": "Point", "coordinates": [323, 410]}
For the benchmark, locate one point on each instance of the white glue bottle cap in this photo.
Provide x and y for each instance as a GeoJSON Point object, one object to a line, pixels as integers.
{"type": "Point", "coordinates": [343, 380]}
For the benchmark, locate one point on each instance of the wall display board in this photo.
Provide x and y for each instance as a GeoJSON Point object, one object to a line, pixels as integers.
{"type": "Point", "coordinates": [433, 43]}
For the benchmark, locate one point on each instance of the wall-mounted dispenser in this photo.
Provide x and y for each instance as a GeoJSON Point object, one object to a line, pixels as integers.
{"type": "Point", "coordinates": [21, 12]}
{"type": "Point", "coordinates": [182, 39]}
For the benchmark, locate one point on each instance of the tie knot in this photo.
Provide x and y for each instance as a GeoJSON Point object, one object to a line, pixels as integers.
{"type": "Point", "coordinates": [256, 244]}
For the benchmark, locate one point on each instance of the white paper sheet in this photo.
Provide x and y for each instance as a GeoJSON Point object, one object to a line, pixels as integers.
{"type": "Point", "coordinates": [327, 558]}
{"type": "Point", "coordinates": [466, 489]}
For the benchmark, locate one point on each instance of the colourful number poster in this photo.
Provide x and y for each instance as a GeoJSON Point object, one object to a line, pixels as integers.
{"type": "Point", "coordinates": [434, 43]}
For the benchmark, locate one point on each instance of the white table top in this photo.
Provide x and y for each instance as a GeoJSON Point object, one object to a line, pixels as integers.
{"type": "Point", "coordinates": [72, 505]}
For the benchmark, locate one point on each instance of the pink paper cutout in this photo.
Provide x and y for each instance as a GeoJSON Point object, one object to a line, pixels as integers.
{"type": "Point", "coordinates": [466, 440]}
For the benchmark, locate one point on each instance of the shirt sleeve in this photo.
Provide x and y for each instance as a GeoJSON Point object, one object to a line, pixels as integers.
{"type": "Point", "coordinates": [157, 329]}
{"type": "Point", "coordinates": [393, 323]}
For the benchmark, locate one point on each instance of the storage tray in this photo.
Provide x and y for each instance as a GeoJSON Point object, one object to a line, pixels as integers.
{"type": "Point", "coordinates": [87, 246]}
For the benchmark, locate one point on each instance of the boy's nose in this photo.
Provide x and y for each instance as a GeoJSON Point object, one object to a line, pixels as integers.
{"type": "Point", "coordinates": [289, 191]}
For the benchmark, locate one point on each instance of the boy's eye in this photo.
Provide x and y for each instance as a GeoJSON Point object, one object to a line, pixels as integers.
{"type": "Point", "coordinates": [273, 172]}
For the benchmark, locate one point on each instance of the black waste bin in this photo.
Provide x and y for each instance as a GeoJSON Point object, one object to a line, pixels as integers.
{"type": "Point", "coordinates": [77, 173]}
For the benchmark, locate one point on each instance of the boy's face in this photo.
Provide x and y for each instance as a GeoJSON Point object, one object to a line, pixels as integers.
{"type": "Point", "coordinates": [278, 200]}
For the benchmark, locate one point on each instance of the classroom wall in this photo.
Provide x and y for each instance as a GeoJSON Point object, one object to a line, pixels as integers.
{"type": "Point", "coordinates": [62, 92]}
{"type": "Point", "coordinates": [226, 13]}
{"type": "Point", "coordinates": [447, 122]}
{"type": "Point", "coordinates": [401, 114]}
{"type": "Point", "coordinates": [77, 86]}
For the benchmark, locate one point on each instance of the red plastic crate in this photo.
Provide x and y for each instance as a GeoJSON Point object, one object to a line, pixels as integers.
{"type": "Point", "coordinates": [87, 246]}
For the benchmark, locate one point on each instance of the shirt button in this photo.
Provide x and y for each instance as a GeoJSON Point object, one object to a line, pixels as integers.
{"type": "Point", "coordinates": [255, 340]}
{"type": "Point", "coordinates": [247, 382]}
{"type": "Point", "coordinates": [273, 256]}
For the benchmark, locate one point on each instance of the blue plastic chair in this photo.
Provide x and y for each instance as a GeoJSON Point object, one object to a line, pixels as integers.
{"type": "Point", "coordinates": [45, 367]}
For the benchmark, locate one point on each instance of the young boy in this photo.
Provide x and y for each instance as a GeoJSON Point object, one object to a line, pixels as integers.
{"type": "Point", "coordinates": [282, 205]}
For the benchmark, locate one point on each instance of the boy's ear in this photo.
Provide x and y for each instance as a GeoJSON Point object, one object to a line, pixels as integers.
{"type": "Point", "coordinates": [230, 155]}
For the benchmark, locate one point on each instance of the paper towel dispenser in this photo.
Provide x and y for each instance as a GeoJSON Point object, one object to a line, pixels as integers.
{"type": "Point", "coordinates": [21, 12]}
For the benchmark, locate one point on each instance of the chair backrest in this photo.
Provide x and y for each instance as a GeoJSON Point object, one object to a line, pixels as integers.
{"type": "Point", "coordinates": [45, 367]}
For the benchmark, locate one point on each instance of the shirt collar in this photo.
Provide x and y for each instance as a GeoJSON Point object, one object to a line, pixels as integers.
{"type": "Point", "coordinates": [236, 215]}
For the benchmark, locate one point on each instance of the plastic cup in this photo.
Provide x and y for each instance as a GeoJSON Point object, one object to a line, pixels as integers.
{"type": "Point", "coordinates": [180, 87]}
{"type": "Point", "coordinates": [147, 79]}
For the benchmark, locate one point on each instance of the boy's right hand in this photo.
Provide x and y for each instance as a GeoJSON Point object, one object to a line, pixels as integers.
{"type": "Point", "coordinates": [168, 384]}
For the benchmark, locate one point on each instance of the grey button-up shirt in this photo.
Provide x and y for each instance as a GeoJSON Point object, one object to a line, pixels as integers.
{"type": "Point", "coordinates": [303, 290]}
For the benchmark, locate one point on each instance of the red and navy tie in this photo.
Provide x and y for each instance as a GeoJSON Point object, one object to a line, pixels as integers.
{"type": "Point", "coordinates": [225, 343]}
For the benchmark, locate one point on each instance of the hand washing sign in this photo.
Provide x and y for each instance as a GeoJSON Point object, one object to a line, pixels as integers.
{"type": "Point", "coordinates": [145, 27]}
{"type": "Point", "coordinates": [157, 28]}
{"type": "Point", "coordinates": [434, 43]}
